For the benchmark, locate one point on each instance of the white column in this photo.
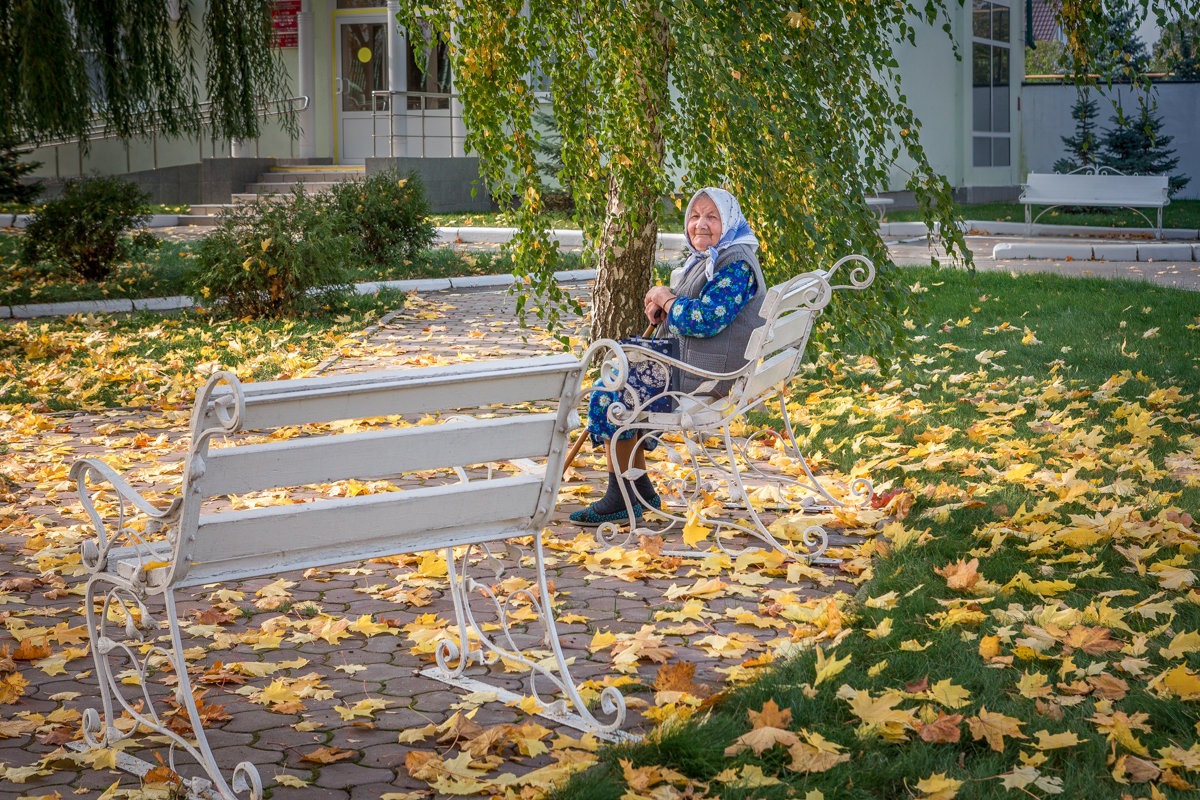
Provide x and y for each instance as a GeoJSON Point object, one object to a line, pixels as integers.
{"type": "Point", "coordinates": [235, 148]}
{"type": "Point", "coordinates": [306, 79]}
{"type": "Point", "coordinates": [397, 81]}
{"type": "Point", "coordinates": [458, 128]}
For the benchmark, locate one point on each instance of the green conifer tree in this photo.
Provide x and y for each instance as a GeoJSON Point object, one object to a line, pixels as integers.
{"type": "Point", "coordinates": [1081, 147]}
{"type": "Point", "coordinates": [1136, 146]}
{"type": "Point", "coordinates": [12, 189]}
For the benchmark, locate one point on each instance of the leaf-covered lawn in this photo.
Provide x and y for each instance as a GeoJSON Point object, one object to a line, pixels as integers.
{"type": "Point", "coordinates": [103, 360]}
{"type": "Point", "coordinates": [1029, 623]}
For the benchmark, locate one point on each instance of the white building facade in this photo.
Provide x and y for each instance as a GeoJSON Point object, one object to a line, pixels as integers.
{"type": "Point", "coordinates": [355, 77]}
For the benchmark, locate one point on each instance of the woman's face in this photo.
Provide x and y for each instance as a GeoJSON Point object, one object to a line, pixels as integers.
{"type": "Point", "coordinates": [704, 223]}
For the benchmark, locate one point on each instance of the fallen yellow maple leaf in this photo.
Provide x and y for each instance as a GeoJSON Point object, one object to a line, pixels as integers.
{"type": "Point", "coordinates": [694, 531]}
{"type": "Point", "coordinates": [960, 575]}
{"type": "Point", "coordinates": [828, 668]}
{"type": "Point", "coordinates": [994, 727]}
{"type": "Point", "coordinates": [938, 787]}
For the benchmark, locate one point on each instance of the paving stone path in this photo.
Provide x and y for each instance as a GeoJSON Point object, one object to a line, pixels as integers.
{"type": "Point", "coordinates": [597, 598]}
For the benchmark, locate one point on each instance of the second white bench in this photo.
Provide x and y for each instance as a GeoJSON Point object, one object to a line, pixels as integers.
{"type": "Point", "coordinates": [1103, 187]}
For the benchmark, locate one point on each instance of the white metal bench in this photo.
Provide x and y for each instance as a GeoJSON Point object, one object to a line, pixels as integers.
{"type": "Point", "coordinates": [1103, 186]}
{"type": "Point", "coordinates": [775, 352]}
{"type": "Point", "coordinates": [200, 540]}
{"type": "Point", "coordinates": [880, 205]}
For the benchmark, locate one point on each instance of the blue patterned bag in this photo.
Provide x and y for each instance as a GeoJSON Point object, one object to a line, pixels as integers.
{"type": "Point", "coordinates": [652, 378]}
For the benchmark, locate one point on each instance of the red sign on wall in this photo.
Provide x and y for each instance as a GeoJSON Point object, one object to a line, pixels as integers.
{"type": "Point", "coordinates": [284, 23]}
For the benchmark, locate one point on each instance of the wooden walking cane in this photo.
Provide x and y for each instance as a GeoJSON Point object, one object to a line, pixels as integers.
{"type": "Point", "coordinates": [575, 448]}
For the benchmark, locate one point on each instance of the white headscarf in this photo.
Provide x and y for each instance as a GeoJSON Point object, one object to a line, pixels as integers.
{"type": "Point", "coordinates": [734, 230]}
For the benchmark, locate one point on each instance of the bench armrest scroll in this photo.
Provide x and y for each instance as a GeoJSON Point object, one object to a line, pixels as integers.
{"type": "Point", "coordinates": [95, 554]}
{"type": "Point", "coordinates": [861, 275]}
{"type": "Point", "coordinates": [614, 366]}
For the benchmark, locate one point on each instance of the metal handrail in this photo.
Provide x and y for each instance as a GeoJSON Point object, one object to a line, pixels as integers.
{"type": "Point", "coordinates": [97, 130]}
{"type": "Point", "coordinates": [389, 107]}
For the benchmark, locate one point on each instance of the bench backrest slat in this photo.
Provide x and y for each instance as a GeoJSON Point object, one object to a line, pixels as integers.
{"type": "Point", "coordinates": [1096, 189]}
{"type": "Point", "coordinates": [264, 541]}
{"type": "Point", "coordinates": [775, 349]}
{"type": "Point", "coordinates": [791, 330]}
{"type": "Point", "coordinates": [375, 454]}
{"type": "Point", "coordinates": [273, 404]}
{"type": "Point", "coordinates": [771, 372]}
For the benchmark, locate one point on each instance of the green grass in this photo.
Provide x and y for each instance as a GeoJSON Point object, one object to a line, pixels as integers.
{"type": "Point", "coordinates": [1179, 214]}
{"type": "Point", "coordinates": [164, 273]}
{"type": "Point", "coordinates": [1059, 401]}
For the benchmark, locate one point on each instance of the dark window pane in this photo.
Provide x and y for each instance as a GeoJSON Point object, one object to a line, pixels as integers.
{"type": "Point", "coordinates": [1000, 117]}
{"type": "Point", "coordinates": [981, 109]}
{"type": "Point", "coordinates": [999, 66]}
{"type": "Point", "coordinates": [981, 65]}
{"type": "Point", "coordinates": [983, 151]}
{"type": "Point", "coordinates": [1000, 24]}
{"type": "Point", "coordinates": [1000, 149]}
{"type": "Point", "coordinates": [981, 19]}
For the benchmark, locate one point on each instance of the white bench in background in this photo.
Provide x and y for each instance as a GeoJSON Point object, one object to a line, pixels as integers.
{"type": "Point", "coordinates": [136, 563]}
{"type": "Point", "coordinates": [1101, 187]}
{"type": "Point", "coordinates": [775, 352]}
{"type": "Point", "coordinates": [880, 205]}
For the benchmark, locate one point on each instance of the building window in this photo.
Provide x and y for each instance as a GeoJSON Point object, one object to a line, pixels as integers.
{"type": "Point", "coordinates": [431, 77]}
{"type": "Point", "coordinates": [991, 126]}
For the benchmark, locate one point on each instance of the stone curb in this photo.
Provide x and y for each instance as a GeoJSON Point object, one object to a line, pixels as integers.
{"type": "Point", "coordinates": [976, 227]}
{"type": "Point", "coordinates": [467, 283]}
{"type": "Point", "coordinates": [991, 227]}
{"type": "Point", "coordinates": [155, 220]}
{"type": "Point", "coordinates": [1146, 252]}
{"type": "Point", "coordinates": [567, 237]}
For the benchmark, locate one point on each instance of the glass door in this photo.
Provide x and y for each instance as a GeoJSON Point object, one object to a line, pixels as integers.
{"type": "Point", "coordinates": [361, 64]}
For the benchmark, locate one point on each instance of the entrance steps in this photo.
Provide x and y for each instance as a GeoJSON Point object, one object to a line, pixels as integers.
{"type": "Point", "coordinates": [314, 175]}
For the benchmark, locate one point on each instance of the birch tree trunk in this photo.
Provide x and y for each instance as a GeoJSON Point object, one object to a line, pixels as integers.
{"type": "Point", "coordinates": [629, 238]}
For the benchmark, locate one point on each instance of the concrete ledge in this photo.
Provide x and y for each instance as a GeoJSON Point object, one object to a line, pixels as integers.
{"type": "Point", "coordinates": [564, 236]}
{"type": "Point", "coordinates": [1011, 250]}
{"type": "Point", "coordinates": [1164, 252]}
{"type": "Point", "coordinates": [568, 237]}
{"type": "Point", "coordinates": [74, 307]}
{"type": "Point", "coordinates": [154, 221]}
{"type": "Point", "coordinates": [1115, 252]}
{"type": "Point", "coordinates": [575, 275]}
{"type": "Point", "coordinates": [5, 312]}
{"type": "Point", "coordinates": [481, 281]}
{"type": "Point", "coordinates": [672, 241]}
{"type": "Point", "coordinates": [904, 229]}
{"type": "Point", "coordinates": [420, 285]}
{"type": "Point", "coordinates": [1196, 252]}
{"type": "Point", "coordinates": [468, 234]}
{"type": "Point", "coordinates": [162, 303]}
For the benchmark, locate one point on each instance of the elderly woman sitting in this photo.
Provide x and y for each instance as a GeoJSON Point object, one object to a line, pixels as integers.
{"type": "Point", "coordinates": [712, 307]}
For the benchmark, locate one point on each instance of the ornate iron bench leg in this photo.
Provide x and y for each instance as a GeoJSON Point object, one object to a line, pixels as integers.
{"type": "Point", "coordinates": [550, 684]}
{"type": "Point", "coordinates": [122, 635]}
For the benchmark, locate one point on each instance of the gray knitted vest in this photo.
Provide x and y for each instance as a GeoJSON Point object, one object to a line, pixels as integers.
{"type": "Point", "coordinates": [725, 352]}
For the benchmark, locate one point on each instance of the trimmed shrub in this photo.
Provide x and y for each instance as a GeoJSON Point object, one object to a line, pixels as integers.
{"type": "Point", "coordinates": [281, 257]}
{"type": "Point", "coordinates": [85, 226]}
{"type": "Point", "coordinates": [386, 215]}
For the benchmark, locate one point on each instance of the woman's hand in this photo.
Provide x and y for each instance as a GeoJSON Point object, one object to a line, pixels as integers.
{"type": "Point", "coordinates": [658, 303]}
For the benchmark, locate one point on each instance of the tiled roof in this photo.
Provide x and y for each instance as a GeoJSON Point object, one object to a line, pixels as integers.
{"type": "Point", "coordinates": [1045, 26]}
